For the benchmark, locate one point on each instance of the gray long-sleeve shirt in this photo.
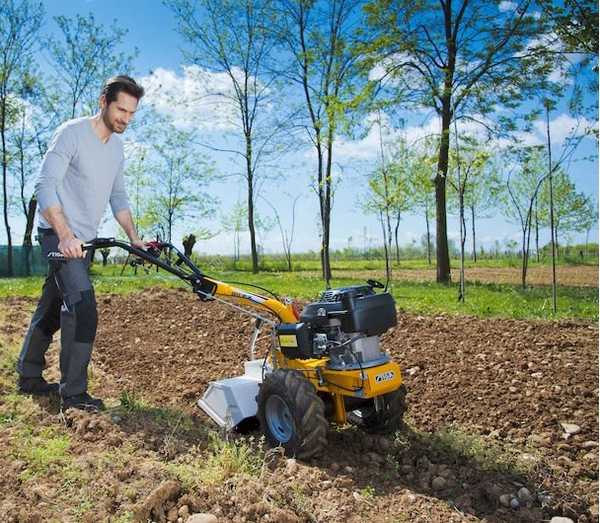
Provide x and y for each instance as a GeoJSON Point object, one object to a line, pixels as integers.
{"type": "Point", "coordinates": [81, 175]}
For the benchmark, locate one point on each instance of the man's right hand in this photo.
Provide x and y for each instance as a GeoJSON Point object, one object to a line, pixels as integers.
{"type": "Point", "coordinates": [71, 248]}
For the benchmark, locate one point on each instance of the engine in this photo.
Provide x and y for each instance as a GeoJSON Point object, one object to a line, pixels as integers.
{"type": "Point", "coordinates": [344, 325]}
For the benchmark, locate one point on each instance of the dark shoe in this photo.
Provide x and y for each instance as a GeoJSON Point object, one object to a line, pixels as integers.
{"type": "Point", "coordinates": [82, 402]}
{"type": "Point", "coordinates": [37, 386]}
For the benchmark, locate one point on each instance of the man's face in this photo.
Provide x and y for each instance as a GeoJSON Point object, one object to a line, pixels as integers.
{"type": "Point", "coordinates": [118, 114]}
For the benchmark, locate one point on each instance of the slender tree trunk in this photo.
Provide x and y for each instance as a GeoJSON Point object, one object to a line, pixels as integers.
{"type": "Point", "coordinates": [552, 224]}
{"type": "Point", "coordinates": [473, 232]}
{"type": "Point", "coordinates": [9, 257]}
{"type": "Point", "coordinates": [524, 260]}
{"type": "Point", "coordinates": [463, 237]}
{"type": "Point", "coordinates": [386, 252]}
{"type": "Point", "coordinates": [587, 237]}
{"type": "Point", "coordinates": [428, 237]}
{"type": "Point", "coordinates": [537, 232]}
{"type": "Point", "coordinates": [251, 227]}
{"type": "Point", "coordinates": [327, 208]}
{"type": "Point", "coordinates": [396, 238]}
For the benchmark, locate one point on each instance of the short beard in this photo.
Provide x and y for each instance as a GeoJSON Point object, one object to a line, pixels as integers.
{"type": "Point", "coordinates": [109, 124]}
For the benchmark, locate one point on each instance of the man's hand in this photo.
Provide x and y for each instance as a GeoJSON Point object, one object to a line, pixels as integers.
{"type": "Point", "coordinates": [71, 248]}
{"type": "Point", "coordinates": [139, 244]}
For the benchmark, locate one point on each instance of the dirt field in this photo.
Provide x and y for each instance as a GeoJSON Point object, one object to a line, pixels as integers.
{"type": "Point", "coordinates": [571, 276]}
{"type": "Point", "coordinates": [484, 440]}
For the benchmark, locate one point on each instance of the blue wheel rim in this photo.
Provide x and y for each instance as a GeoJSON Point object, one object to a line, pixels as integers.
{"type": "Point", "coordinates": [279, 418]}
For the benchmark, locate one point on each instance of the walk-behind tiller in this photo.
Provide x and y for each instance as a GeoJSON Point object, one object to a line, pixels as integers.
{"type": "Point", "coordinates": [324, 362]}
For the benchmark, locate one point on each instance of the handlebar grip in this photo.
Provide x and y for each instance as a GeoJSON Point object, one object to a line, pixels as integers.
{"type": "Point", "coordinates": [59, 256]}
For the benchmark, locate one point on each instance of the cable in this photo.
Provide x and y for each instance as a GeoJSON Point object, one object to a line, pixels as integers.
{"type": "Point", "coordinates": [251, 285]}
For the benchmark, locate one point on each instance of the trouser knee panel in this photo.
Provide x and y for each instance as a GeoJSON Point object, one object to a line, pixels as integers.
{"type": "Point", "coordinates": [86, 317]}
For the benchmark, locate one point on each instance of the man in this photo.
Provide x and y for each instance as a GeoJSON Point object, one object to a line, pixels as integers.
{"type": "Point", "coordinates": [81, 172]}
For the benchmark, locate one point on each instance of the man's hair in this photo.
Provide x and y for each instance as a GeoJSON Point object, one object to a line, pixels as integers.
{"type": "Point", "coordinates": [113, 86]}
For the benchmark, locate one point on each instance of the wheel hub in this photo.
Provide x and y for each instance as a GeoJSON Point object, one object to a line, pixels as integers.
{"type": "Point", "coordinates": [279, 418]}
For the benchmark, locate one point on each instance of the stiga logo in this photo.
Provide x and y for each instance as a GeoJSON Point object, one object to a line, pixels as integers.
{"type": "Point", "coordinates": [386, 376]}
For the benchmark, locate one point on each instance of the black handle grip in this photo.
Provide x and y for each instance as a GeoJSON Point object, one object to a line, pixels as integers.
{"type": "Point", "coordinates": [96, 243]}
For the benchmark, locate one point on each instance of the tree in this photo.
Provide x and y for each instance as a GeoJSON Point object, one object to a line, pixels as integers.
{"type": "Point", "coordinates": [178, 176]}
{"type": "Point", "coordinates": [105, 254]}
{"type": "Point", "coordinates": [588, 218]}
{"type": "Point", "coordinates": [571, 208]}
{"type": "Point", "coordinates": [464, 60]}
{"type": "Point", "coordinates": [235, 37]}
{"type": "Point", "coordinates": [523, 184]}
{"type": "Point", "coordinates": [422, 189]}
{"type": "Point", "coordinates": [575, 22]}
{"type": "Point", "coordinates": [287, 236]}
{"type": "Point", "coordinates": [236, 222]}
{"type": "Point", "coordinates": [24, 158]}
{"type": "Point", "coordinates": [468, 161]}
{"type": "Point", "coordinates": [474, 187]}
{"type": "Point", "coordinates": [19, 26]}
{"type": "Point", "coordinates": [188, 241]}
{"type": "Point", "coordinates": [84, 58]}
{"type": "Point", "coordinates": [138, 183]}
{"type": "Point", "coordinates": [320, 38]}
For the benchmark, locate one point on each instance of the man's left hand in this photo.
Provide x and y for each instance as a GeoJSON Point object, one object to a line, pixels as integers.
{"type": "Point", "coordinates": [139, 244]}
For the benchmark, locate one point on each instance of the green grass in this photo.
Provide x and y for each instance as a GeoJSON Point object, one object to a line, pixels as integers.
{"type": "Point", "coordinates": [459, 446]}
{"type": "Point", "coordinates": [301, 263]}
{"type": "Point", "coordinates": [42, 450]}
{"type": "Point", "coordinates": [223, 460]}
{"type": "Point", "coordinates": [482, 299]}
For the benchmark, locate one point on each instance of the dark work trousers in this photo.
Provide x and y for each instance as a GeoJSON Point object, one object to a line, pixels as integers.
{"type": "Point", "coordinates": [67, 303]}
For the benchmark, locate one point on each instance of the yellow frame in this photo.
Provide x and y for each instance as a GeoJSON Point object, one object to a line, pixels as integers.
{"type": "Point", "coordinates": [366, 383]}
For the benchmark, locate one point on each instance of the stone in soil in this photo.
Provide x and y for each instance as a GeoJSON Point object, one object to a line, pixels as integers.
{"type": "Point", "coordinates": [202, 518]}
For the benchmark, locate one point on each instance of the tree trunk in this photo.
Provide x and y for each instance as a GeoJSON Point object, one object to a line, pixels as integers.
{"type": "Point", "coordinates": [396, 238]}
{"type": "Point", "coordinates": [473, 231]}
{"type": "Point", "coordinates": [29, 222]}
{"type": "Point", "coordinates": [251, 228]}
{"type": "Point", "coordinates": [188, 245]}
{"type": "Point", "coordinates": [523, 261]}
{"type": "Point", "coordinates": [463, 238]}
{"type": "Point", "coordinates": [537, 232]}
{"type": "Point", "coordinates": [9, 256]}
{"type": "Point", "coordinates": [428, 237]}
{"type": "Point", "coordinates": [327, 209]}
{"type": "Point", "coordinates": [442, 256]}
{"type": "Point", "coordinates": [386, 252]}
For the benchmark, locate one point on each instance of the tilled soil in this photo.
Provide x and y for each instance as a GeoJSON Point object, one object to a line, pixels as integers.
{"type": "Point", "coordinates": [486, 401]}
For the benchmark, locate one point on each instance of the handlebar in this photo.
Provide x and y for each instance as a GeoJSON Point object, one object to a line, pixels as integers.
{"type": "Point", "coordinates": [196, 278]}
{"type": "Point", "coordinates": [205, 287]}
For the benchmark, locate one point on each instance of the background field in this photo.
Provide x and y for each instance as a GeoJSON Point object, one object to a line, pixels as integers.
{"type": "Point", "coordinates": [493, 286]}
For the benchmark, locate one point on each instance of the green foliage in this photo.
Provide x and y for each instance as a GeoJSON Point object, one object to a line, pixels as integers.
{"type": "Point", "coordinates": [131, 402]}
{"type": "Point", "coordinates": [84, 57]}
{"type": "Point", "coordinates": [460, 446]}
{"type": "Point", "coordinates": [573, 211]}
{"type": "Point", "coordinates": [42, 451]}
{"type": "Point", "coordinates": [177, 189]}
{"type": "Point", "coordinates": [222, 460]}
{"type": "Point", "coordinates": [228, 458]}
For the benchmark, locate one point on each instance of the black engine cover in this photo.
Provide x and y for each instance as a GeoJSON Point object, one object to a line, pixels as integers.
{"type": "Point", "coordinates": [358, 308]}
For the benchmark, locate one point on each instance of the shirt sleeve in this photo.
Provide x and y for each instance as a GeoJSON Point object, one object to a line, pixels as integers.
{"type": "Point", "coordinates": [61, 150]}
{"type": "Point", "coordinates": [118, 195]}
